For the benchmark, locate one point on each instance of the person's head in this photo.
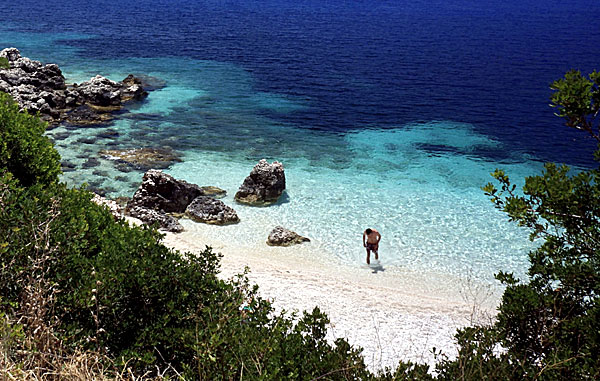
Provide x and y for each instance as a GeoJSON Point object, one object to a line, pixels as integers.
{"type": "Point", "coordinates": [368, 231]}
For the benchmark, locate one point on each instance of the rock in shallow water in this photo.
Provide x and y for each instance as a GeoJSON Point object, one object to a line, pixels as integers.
{"type": "Point", "coordinates": [211, 211]}
{"type": "Point", "coordinates": [163, 192]}
{"type": "Point", "coordinates": [281, 236]}
{"type": "Point", "coordinates": [143, 158]}
{"type": "Point", "coordinates": [264, 185]}
{"type": "Point", "coordinates": [213, 191]}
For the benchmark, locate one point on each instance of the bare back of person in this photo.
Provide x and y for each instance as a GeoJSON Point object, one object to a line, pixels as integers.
{"type": "Point", "coordinates": [371, 238]}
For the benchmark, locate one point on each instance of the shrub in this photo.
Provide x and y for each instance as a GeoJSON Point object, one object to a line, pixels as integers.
{"type": "Point", "coordinates": [115, 290]}
{"type": "Point", "coordinates": [75, 279]}
{"type": "Point", "coordinates": [4, 63]}
{"type": "Point", "coordinates": [24, 151]}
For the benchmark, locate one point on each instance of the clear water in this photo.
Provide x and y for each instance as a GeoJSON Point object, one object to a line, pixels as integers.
{"type": "Point", "coordinates": [387, 115]}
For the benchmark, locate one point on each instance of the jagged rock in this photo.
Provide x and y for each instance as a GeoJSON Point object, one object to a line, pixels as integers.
{"type": "Point", "coordinates": [150, 216]}
{"type": "Point", "coordinates": [264, 185]}
{"type": "Point", "coordinates": [160, 191]}
{"type": "Point", "coordinates": [100, 91]}
{"type": "Point", "coordinates": [280, 236]}
{"type": "Point", "coordinates": [211, 211]}
{"type": "Point", "coordinates": [105, 93]}
{"type": "Point", "coordinates": [143, 158]}
{"type": "Point", "coordinates": [149, 83]}
{"type": "Point", "coordinates": [41, 88]}
{"type": "Point", "coordinates": [112, 206]}
{"type": "Point", "coordinates": [11, 54]}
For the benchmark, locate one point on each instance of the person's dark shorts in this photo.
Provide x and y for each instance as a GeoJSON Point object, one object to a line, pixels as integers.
{"type": "Point", "coordinates": [372, 246]}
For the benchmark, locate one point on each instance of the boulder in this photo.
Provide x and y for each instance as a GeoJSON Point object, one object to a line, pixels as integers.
{"type": "Point", "coordinates": [280, 236]}
{"type": "Point", "coordinates": [264, 185]}
{"type": "Point", "coordinates": [150, 216]}
{"type": "Point", "coordinates": [211, 211]}
{"type": "Point", "coordinates": [162, 192]}
{"type": "Point", "coordinates": [143, 158]}
{"type": "Point", "coordinates": [100, 91]}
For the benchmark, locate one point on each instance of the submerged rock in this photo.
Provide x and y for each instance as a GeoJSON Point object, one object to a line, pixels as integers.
{"type": "Point", "coordinates": [143, 158]}
{"type": "Point", "coordinates": [264, 185]}
{"type": "Point", "coordinates": [211, 211]}
{"type": "Point", "coordinates": [212, 191]}
{"type": "Point", "coordinates": [281, 236]}
{"type": "Point", "coordinates": [85, 115]}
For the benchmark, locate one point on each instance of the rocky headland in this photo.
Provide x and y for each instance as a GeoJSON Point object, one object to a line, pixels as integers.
{"type": "Point", "coordinates": [39, 87]}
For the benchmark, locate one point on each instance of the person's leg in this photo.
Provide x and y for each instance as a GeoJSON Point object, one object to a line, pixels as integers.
{"type": "Point", "coordinates": [368, 257]}
{"type": "Point", "coordinates": [376, 254]}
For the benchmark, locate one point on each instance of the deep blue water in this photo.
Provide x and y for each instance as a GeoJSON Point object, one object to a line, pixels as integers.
{"type": "Point", "coordinates": [362, 64]}
{"type": "Point", "coordinates": [389, 114]}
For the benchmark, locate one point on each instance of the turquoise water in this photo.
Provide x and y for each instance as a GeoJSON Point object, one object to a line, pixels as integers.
{"type": "Point", "coordinates": [418, 183]}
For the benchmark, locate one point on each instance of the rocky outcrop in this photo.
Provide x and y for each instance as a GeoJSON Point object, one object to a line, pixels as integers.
{"type": "Point", "coordinates": [41, 88]}
{"type": "Point", "coordinates": [280, 236]}
{"type": "Point", "coordinates": [264, 185]}
{"type": "Point", "coordinates": [106, 95]}
{"type": "Point", "coordinates": [211, 211]}
{"type": "Point", "coordinates": [164, 193]}
{"type": "Point", "coordinates": [150, 216]}
{"type": "Point", "coordinates": [143, 158]}
{"type": "Point", "coordinates": [160, 194]}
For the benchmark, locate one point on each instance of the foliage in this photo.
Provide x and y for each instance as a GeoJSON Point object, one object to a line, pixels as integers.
{"type": "Point", "coordinates": [74, 280]}
{"type": "Point", "coordinates": [577, 99]}
{"type": "Point", "coordinates": [116, 290]}
{"type": "Point", "coordinates": [4, 64]}
{"type": "Point", "coordinates": [24, 151]}
{"type": "Point", "coordinates": [549, 327]}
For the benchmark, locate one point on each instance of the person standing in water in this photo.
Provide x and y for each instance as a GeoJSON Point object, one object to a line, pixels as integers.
{"type": "Point", "coordinates": [371, 238]}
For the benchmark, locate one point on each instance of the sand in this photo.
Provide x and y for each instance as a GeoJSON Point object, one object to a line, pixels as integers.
{"type": "Point", "coordinates": [392, 313]}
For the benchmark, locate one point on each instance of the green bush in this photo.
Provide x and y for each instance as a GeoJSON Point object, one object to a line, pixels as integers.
{"type": "Point", "coordinates": [117, 289]}
{"type": "Point", "coordinates": [4, 63]}
{"type": "Point", "coordinates": [69, 271]}
{"type": "Point", "coordinates": [24, 150]}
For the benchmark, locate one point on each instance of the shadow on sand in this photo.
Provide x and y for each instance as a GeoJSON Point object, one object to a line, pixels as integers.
{"type": "Point", "coordinates": [375, 267]}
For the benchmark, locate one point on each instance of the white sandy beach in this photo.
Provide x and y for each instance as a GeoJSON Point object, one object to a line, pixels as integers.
{"type": "Point", "coordinates": [393, 314]}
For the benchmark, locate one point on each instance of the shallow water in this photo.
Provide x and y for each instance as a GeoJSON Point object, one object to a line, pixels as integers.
{"type": "Point", "coordinates": [386, 115]}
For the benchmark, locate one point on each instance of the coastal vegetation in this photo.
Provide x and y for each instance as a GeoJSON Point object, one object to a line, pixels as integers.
{"type": "Point", "coordinates": [83, 295]}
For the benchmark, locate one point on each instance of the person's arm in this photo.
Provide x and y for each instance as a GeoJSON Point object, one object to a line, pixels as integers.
{"type": "Point", "coordinates": [378, 237]}
{"type": "Point", "coordinates": [364, 244]}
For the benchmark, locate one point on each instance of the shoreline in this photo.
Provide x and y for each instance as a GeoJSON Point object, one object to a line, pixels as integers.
{"type": "Point", "coordinates": [393, 315]}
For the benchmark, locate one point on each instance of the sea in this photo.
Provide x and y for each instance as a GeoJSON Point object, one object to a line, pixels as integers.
{"type": "Point", "coordinates": [385, 114]}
